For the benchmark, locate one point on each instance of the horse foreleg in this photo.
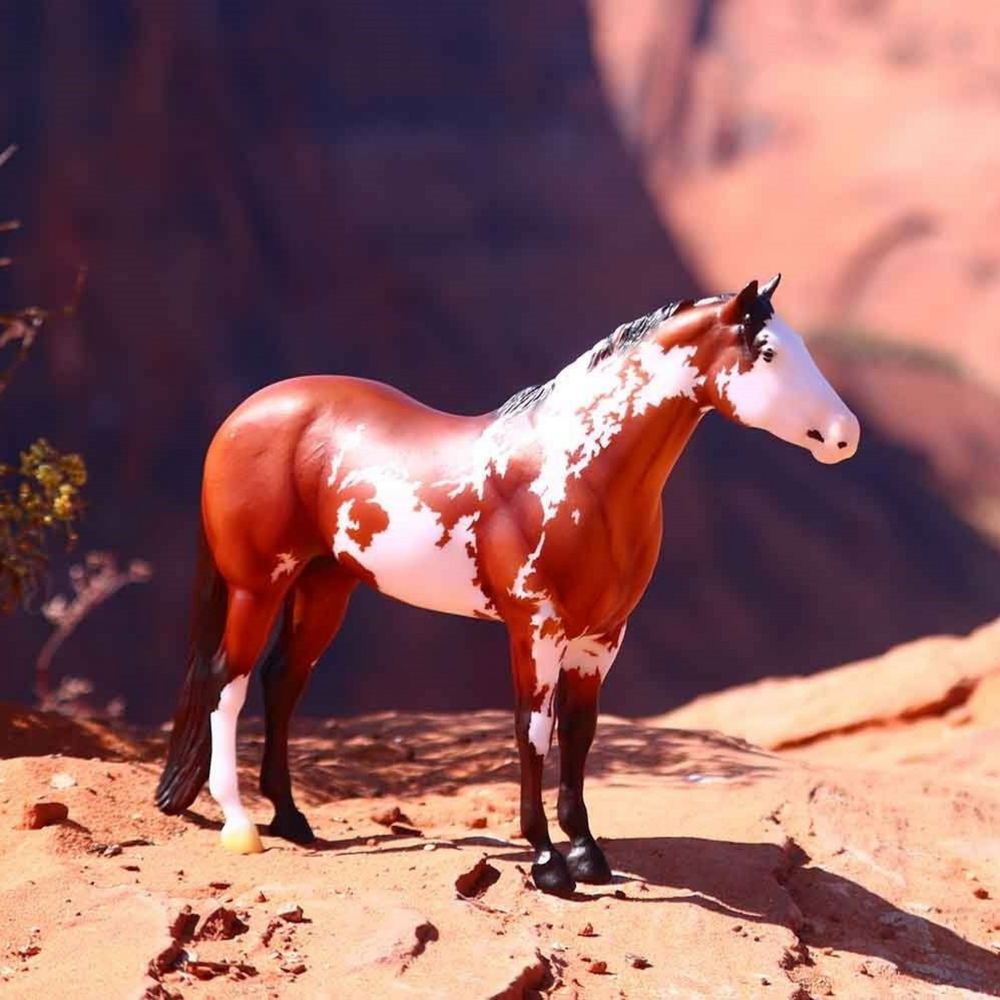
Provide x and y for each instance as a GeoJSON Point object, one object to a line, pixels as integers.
{"type": "Point", "coordinates": [313, 616]}
{"type": "Point", "coordinates": [578, 697]}
{"type": "Point", "coordinates": [585, 665]}
{"type": "Point", "coordinates": [249, 618]}
{"type": "Point", "coordinates": [536, 672]}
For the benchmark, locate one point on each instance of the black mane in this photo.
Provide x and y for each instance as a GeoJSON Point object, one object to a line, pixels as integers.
{"type": "Point", "coordinates": [620, 342]}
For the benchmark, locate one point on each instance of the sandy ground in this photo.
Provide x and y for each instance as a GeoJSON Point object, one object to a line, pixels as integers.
{"type": "Point", "coordinates": [862, 863]}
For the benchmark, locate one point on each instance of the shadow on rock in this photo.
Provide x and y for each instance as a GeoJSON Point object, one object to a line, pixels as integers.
{"type": "Point", "coordinates": [765, 883]}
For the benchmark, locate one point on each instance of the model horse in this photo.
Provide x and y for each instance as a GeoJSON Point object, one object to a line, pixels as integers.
{"type": "Point", "coordinates": [544, 514]}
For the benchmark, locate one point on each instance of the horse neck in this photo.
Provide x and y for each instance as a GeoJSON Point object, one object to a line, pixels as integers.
{"type": "Point", "coordinates": [626, 420]}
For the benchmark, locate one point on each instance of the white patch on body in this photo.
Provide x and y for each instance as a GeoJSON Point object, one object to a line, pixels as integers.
{"type": "Point", "coordinates": [406, 559]}
{"type": "Point", "coordinates": [286, 565]}
{"type": "Point", "coordinates": [585, 411]}
{"type": "Point", "coordinates": [223, 781]}
{"type": "Point", "coordinates": [349, 442]}
{"type": "Point", "coordinates": [789, 396]}
{"type": "Point", "coordinates": [575, 515]}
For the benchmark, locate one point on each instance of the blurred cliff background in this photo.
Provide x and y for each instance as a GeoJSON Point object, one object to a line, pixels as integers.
{"type": "Point", "coordinates": [460, 198]}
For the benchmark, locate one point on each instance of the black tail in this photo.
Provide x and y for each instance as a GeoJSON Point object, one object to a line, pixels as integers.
{"type": "Point", "coordinates": [190, 751]}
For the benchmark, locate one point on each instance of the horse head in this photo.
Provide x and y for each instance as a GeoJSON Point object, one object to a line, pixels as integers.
{"type": "Point", "coordinates": [758, 372]}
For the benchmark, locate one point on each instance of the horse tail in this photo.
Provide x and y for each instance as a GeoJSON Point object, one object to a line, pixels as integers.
{"type": "Point", "coordinates": [190, 751]}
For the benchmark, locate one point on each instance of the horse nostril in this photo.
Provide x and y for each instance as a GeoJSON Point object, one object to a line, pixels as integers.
{"type": "Point", "coordinates": [841, 444]}
{"type": "Point", "coordinates": [816, 436]}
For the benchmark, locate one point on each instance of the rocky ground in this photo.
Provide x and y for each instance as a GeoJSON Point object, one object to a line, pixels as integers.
{"type": "Point", "coordinates": [852, 852]}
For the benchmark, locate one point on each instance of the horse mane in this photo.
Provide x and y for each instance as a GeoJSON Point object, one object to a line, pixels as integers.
{"type": "Point", "coordinates": [621, 341]}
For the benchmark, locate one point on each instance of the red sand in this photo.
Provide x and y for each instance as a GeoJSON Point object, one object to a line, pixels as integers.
{"type": "Point", "coordinates": [861, 863]}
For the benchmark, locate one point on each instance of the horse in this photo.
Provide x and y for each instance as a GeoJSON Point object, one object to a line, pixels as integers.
{"type": "Point", "coordinates": [544, 514]}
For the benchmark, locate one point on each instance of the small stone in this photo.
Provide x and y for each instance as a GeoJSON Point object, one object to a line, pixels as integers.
{"type": "Point", "coordinates": [389, 816]}
{"type": "Point", "coordinates": [598, 968]}
{"type": "Point", "coordinates": [587, 930]}
{"type": "Point", "coordinates": [620, 894]}
{"type": "Point", "coordinates": [260, 897]}
{"type": "Point", "coordinates": [638, 961]}
{"type": "Point", "coordinates": [477, 823]}
{"type": "Point", "coordinates": [220, 885]}
{"type": "Point", "coordinates": [40, 814]}
{"type": "Point", "coordinates": [222, 924]}
{"type": "Point", "coordinates": [980, 893]}
{"type": "Point", "coordinates": [295, 968]}
{"type": "Point", "coordinates": [292, 914]}
{"type": "Point", "coordinates": [430, 847]}
{"type": "Point", "coordinates": [111, 851]}
{"type": "Point", "coordinates": [62, 781]}
{"type": "Point", "coordinates": [764, 981]}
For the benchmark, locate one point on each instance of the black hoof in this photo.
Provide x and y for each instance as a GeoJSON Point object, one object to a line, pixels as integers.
{"type": "Point", "coordinates": [551, 874]}
{"type": "Point", "coordinates": [291, 825]}
{"type": "Point", "coordinates": [587, 863]}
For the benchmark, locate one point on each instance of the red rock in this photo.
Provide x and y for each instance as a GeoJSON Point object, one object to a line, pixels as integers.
{"type": "Point", "coordinates": [40, 814]}
{"type": "Point", "coordinates": [598, 968]}
{"type": "Point", "coordinates": [386, 817]}
{"type": "Point", "coordinates": [221, 924]}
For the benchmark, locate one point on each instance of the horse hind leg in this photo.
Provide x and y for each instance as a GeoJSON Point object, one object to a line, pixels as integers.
{"type": "Point", "coordinates": [249, 619]}
{"type": "Point", "coordinates": [314, 611]}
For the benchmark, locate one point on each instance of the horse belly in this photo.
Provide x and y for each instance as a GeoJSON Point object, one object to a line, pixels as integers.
{"type": "Point", "coordinates": [408, 548]}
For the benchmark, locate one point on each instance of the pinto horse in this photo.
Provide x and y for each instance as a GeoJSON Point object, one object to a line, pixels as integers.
{"type": "Point", "coordinates": [544, 514]}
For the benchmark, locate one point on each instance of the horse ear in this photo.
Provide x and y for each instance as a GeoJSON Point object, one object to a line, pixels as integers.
{"type": "Point", "coordinates": [741, 303]}
{"type": "Point", "coordinates": [768, 290]}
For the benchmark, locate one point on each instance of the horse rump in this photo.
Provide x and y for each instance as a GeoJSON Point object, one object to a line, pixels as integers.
{"type": "Point", "coordinates": [190, 751]}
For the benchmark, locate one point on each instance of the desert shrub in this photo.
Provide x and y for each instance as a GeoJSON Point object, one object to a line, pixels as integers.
{"type": "Point", "coordinates": [41, 495]}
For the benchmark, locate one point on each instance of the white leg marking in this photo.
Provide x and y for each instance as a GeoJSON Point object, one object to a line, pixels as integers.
{"type": "Point", "coordinates": [591, 655]}
{"type": "Point", "coordinates": [239, 833]}
{"type": "Point", "coordinates": [547, 650]}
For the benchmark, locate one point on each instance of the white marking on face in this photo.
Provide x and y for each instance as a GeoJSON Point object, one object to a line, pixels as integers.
{"type": "Point", "coordinates": [575, 515]}
{"type": "Point", "coordinates": [223, 781]}
{"type": "Point", "coordinates": [286, 565]}
{"type": "Point", "coordinates": [789, 397]}
{"type": "Point", "coordinates": [406, 558]}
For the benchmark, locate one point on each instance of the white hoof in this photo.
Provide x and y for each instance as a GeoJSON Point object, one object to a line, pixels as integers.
{"type": "Point", "coordinates": [241, 837]}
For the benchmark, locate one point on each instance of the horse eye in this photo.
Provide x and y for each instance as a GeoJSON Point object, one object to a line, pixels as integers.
{"type": "Point", "coordinates": [768, 354]}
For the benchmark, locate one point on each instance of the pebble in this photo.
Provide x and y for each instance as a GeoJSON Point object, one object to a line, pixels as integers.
{"type": "Point", "coordinates": [40, 814]}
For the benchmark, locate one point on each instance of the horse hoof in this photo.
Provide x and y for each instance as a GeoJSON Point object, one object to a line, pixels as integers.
{"type": "Point", "coordinates": [586, 863]}
{"type": "Point", "coordinates": [241, 837]}
{"type": "Point", "coordinates": [551, 874]}
{"type": "Point", "coordinates": [293, 826]}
